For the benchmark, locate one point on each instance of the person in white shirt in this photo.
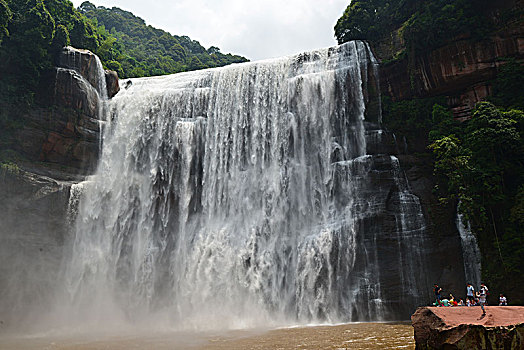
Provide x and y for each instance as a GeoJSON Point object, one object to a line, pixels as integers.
{"type": "Point", "coordinates": [482, 299]}
{"type": "Point", "coordinates": [470, 293]}
{"type": "Point", "coordinates": [486, 291]}
{"type": "Point", "coordinates": [502, 300]}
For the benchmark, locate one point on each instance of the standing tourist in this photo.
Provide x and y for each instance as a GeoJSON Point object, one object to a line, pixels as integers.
{"type": "Point", "coordinates": [482, 299]}
{"type": "Point", "coordinates": [486, 291]}
{"type": "Point", "coordinates": [470, 295]}
{"type": "Point", "coordinates": [437, 291]}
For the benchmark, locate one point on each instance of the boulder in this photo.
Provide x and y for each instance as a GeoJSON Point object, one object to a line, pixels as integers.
{"type": "Point", "coordinates": [71, 90]}
{"type": "Point", "coordinates": [112, 83]}
{"type": "Point", "coordinates": [465, 328]}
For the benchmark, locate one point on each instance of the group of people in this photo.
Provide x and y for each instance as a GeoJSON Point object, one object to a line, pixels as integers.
{"type": "Point", "coordinates": [479, 298]}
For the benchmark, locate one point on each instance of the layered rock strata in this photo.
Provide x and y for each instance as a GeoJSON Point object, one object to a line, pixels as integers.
{"type": "Point", "coordinates": [462, 70]}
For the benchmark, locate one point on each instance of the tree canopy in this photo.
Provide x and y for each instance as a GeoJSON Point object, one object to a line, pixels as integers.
{"type": "Point", "coordinates": [482, 165]}
{"type": "Point", "coordinates": [31, 34]}
{"type": "Point", "coordinates": [134, 49]}
{"type": "Point", "coordinates": [422, 23]}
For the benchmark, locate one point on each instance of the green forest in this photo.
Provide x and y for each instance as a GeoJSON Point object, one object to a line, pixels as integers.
{"type": "Point", "coordinates": [134, 49]}
{"type": "Point", "coordinates": [479, 162]}
{"type": "Point", "coordinates": [32, 33]}
{"type": "Point", "coordinates": [422, 25]}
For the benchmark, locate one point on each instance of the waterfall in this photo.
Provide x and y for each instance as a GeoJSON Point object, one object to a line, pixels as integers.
{"type": "Point", "coordinates": [253, 193]}
{"type": "Point", "coordinates": [470, 250]}
{"type": "Point", "coordinates": [101, 87]}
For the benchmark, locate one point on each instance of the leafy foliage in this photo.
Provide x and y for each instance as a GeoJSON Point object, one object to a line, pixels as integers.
{"type": "Point", "coordinates": [424, 24]}
{"type": "Point", "coordinates": [507, 87]}
{"type": "Point", "coordinates": [413, 119]}
{"type": "Point", "coordinates": [36, 30]}
{"type": "Point", "coordinates": [483, 166]}
{"type": "Point", "coordinates": [5, 17]}
{"type": "Point", "coordinates": [372, 19]}
{"type": "Point", "coordinates": [135, 49]}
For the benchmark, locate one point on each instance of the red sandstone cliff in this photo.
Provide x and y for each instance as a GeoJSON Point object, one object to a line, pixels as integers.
{"type": "Point", "coordinates": [462, 70]}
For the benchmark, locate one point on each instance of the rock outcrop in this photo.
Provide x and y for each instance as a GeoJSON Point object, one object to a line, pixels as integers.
{"type": "Point", "coordinates": [112, 83]}
{"type": "Point", "coordinates": [85, 63]}
{"type": "Point", "coordinates": [63, 136]}
{"type": "Point", "coordinates": [56, 146]}
{"type": "Point", "coordinates": [465, 328]}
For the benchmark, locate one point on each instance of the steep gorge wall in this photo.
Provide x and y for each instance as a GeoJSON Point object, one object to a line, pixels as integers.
{"type": "Point", "coordinates": [462, 71]}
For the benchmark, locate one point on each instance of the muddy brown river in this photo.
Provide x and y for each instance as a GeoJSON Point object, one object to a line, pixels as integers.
{"type": "Point", "coordinates": [352, 336]}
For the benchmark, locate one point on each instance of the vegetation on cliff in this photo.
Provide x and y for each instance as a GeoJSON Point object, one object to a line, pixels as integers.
{"type": "Point", "coordinates": [481, 164]}
{"type": "Point", "coordinates": [421, 24]}
{"type": "Point", "coordinates": [32, 33]}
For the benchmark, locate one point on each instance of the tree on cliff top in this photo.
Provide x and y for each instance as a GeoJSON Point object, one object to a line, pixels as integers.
{"type": "Point", "coordinates": [423, 24]}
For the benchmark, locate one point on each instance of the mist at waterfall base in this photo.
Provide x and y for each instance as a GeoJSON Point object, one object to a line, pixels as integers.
{"type": "Point", "coordinates": [258, 194]}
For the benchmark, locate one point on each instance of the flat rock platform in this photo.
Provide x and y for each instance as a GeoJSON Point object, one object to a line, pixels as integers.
{"type": "Point", "coordinates": [465, 328]}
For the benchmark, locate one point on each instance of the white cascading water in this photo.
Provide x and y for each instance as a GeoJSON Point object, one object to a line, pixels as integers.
{"type": "Point", "coordinates": [243, 195]}
{"type": "Point", "coordinates": [470, 250]}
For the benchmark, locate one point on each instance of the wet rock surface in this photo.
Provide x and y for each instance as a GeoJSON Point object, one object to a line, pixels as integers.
{"type": "Point", "coordinates": [85, 63]}
{"type": "Point", "coordinates": [112, 83]}
{"type": "Point", "coordinates": [465, 328]}
{"type": "Point", "coordinates": [32, 234]}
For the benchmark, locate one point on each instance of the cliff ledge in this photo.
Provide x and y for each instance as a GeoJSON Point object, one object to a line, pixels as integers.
{"type": "Point", "coordinates": [464, 328]}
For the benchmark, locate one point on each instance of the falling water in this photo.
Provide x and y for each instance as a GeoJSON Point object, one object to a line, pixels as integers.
{"type": "Point", "coordinates": [101, 87]}
{"type": "Point", "coordinates": [75, 193]}
{"type": "Point", "coordinates": [470, 250]}
{"type": "Point", "coordinates": [254, 193]}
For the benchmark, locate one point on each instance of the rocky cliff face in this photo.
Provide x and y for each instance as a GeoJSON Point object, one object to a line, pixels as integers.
{"type": "Point", "coordinates": [58, 145]}
{"type": "Point", "coordinates": [464, 328]}
{"type": "Point", "coordinates": [32, 235]}
{"type": "Point", "coordinates": [64, 135]}
{"type": "Point", "coordinates": [461, 70]}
